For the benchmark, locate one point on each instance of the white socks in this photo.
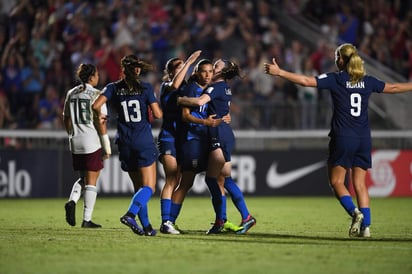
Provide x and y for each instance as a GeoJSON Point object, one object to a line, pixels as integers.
{"type": "Point", "coordinates": [90, 195]}
{"type": "Point", "coordinates": [76, 191]}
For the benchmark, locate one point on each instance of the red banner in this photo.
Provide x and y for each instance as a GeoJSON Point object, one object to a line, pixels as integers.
{"type": "Point", "coordinates": [391, 173]}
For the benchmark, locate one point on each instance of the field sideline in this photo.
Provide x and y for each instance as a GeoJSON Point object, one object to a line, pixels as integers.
{"type": "Point", "coordinates": [292, 235]}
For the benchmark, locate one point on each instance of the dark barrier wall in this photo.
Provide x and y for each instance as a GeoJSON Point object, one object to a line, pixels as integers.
{"type": "Point", "coordinates": [36, 173]}
{"type": "Point", "coordinates": [257, 173]}
{"type": "Point", "coordinates": [30, 173]}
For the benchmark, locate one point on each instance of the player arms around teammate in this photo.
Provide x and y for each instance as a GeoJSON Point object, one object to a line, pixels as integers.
{"type": "Point", "coordinates": [218, 96]}
{"type": "Point", "coordinates": [131, 98]}
{"type": "Point", "coordinates": [192, 151]}
{"type": "Point", "coordinates": [85, 142]}
{"type": "Point", "coordinates": [350, 140]}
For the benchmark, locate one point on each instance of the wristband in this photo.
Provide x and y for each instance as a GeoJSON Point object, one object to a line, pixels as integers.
{"type": "Point", "coordinates": [105, 141]}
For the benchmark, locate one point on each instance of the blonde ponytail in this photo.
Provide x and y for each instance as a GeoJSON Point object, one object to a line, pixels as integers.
{"type": "Point", "coordinates": [355, 68]}
{"type": "Point", "coordinates": [353, 62]}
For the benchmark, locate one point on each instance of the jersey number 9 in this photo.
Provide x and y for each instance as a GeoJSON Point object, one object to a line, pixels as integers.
{"type": "Point", "coordinates": [355, 102]}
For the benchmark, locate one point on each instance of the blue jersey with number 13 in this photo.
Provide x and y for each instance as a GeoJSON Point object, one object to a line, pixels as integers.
{"type": "Point", "coordinates": [133, 126]}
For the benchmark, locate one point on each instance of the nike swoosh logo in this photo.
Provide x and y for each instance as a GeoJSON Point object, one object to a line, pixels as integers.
{"type": "Point", "coordinates": [274, 179]}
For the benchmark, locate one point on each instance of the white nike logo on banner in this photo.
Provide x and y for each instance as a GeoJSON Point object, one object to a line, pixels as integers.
{"type": "Point", "coordinates": [274, 179]}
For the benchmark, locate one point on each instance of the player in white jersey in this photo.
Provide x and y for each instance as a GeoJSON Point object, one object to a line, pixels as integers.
{"type": "Point", "coordinates": [86, 141]}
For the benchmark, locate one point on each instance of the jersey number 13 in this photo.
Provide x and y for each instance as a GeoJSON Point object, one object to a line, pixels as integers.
{"type": "Point", "coordinates": [134, 115]}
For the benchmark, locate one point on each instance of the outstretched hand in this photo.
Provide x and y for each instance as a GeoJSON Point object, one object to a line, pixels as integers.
{"type": "Point", "coordinates": [272, 69]}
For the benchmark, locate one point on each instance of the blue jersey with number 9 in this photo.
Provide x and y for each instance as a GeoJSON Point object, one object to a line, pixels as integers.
{"type": "Point", "coordinates": [350, 102]}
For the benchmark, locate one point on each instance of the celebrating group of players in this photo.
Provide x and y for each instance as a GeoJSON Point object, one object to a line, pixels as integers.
{"type": "Point", "coordinates": [196, 136]}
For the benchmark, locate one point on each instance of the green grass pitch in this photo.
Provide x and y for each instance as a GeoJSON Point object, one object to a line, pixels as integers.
{"type": "Point", "coordinates": [292, 235]}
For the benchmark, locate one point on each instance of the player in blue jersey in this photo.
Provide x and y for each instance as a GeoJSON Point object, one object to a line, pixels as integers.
{"type": "Point", "coordinates": [132, 99]}
{"type": "Point", "coordinates": [350, 140]}
{"type": "Point", "coordinates": [173, 83]}
{"type": "Point", "coordinates": [86, 139]}
{"type": "Point", "coordinates": [193, 147]}
{"type": "Point", "coordinates": [222, 142]}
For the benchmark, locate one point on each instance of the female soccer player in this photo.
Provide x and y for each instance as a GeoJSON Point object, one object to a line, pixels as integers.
{"type": "Point", "coordinates": [350, 139]}
{"type": "Point", "coordinates": [84, 142]}
{"type": "Point", "coordinates": [193, 135]}
{"type": "Point", "coordinates": [174, 81]}
{"type": "Point", "coordinates": [132, 97]}
{"type": "Point", "coordinates": [222, 142]}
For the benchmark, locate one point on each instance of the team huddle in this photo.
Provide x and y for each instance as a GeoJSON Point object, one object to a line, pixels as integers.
{"type": "Point", "coordinates": [196, 136]}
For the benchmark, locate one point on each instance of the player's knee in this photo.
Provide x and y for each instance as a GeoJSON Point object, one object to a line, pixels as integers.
{"type": "Point", "coordinates": [334, 183]}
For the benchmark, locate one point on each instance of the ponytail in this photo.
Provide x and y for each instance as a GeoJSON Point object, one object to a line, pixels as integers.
{"type": "Point", "coordinates": [84, 72]}
{"type": "Point", "coordinates": [352, 62]}
{"type": "Point", "coordinates": [355, 68]}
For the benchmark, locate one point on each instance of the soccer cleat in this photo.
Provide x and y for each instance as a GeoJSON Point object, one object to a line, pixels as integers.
{"type": "Point", "coordinates": [169, 228]}
{"type": "Point", "coordinates": [70, 208]}
{"type": "Point", "coordinates": [149, 231]}
{"type": "Point", "coordinates": [357, 218]}
{"type": "Point", "coordinates": [365, 232]}
{"type": "Point", "coordinates": [228, 226]}
{"type": "Point", "coordinates": [131, 222]}
{"type": "Point", "coordinates": [215, 229]}
{"type": "Point", "coordinates": [177, 228]}
{"type": "Point", "coordinates": [90, 224]}
{"type": "Point", "coordinates": [246, 225]}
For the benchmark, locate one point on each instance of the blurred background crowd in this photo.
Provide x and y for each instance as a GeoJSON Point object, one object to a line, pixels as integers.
{"type": "Point", "coordinates": [43, 41]}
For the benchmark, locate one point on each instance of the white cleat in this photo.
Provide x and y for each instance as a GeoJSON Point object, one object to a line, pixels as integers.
{"type": "Point", "coordinates": [168, 228]}
{"type": "Point", "coordinates": [365, 232]}
{"type": "Point", "coordinates": [357, 218]}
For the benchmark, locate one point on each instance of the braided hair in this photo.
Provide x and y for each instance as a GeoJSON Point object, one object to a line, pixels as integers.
{"type": "Point", "coordinates": [84, 72]}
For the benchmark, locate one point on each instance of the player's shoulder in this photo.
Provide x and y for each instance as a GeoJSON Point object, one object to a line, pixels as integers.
{"type": "Point", "coordinates": [370, 78]}
{"type": "Point", "coordinates": [191, 84]}
{"type": "Point", "coordinates": [146, 86]}
{"type": "Point", "coordinates": [211, 88]}
{"type": "Point", "coordinates": [112, 86]}
{"type": "Point", "coordinates": [331, 74]}
{"type": "Point", "coordinates": [118, 83]}
{"type": "Point", "coordinates": [92, 89]}
{"type": "Point", "coordinates": [73, 90]}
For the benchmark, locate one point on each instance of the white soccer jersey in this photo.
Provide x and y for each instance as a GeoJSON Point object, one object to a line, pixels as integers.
{"type": "Point", "coordinates": [78, 105]}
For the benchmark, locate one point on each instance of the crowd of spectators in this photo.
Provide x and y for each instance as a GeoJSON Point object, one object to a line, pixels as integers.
{"type": "Point", "coordinates": [43, 41]}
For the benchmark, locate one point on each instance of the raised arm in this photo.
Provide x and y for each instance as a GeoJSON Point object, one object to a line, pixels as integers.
{"type": "Point", "coordinates": [300, 79]}
{"type": "Point", "coordinates": [181, 74]}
